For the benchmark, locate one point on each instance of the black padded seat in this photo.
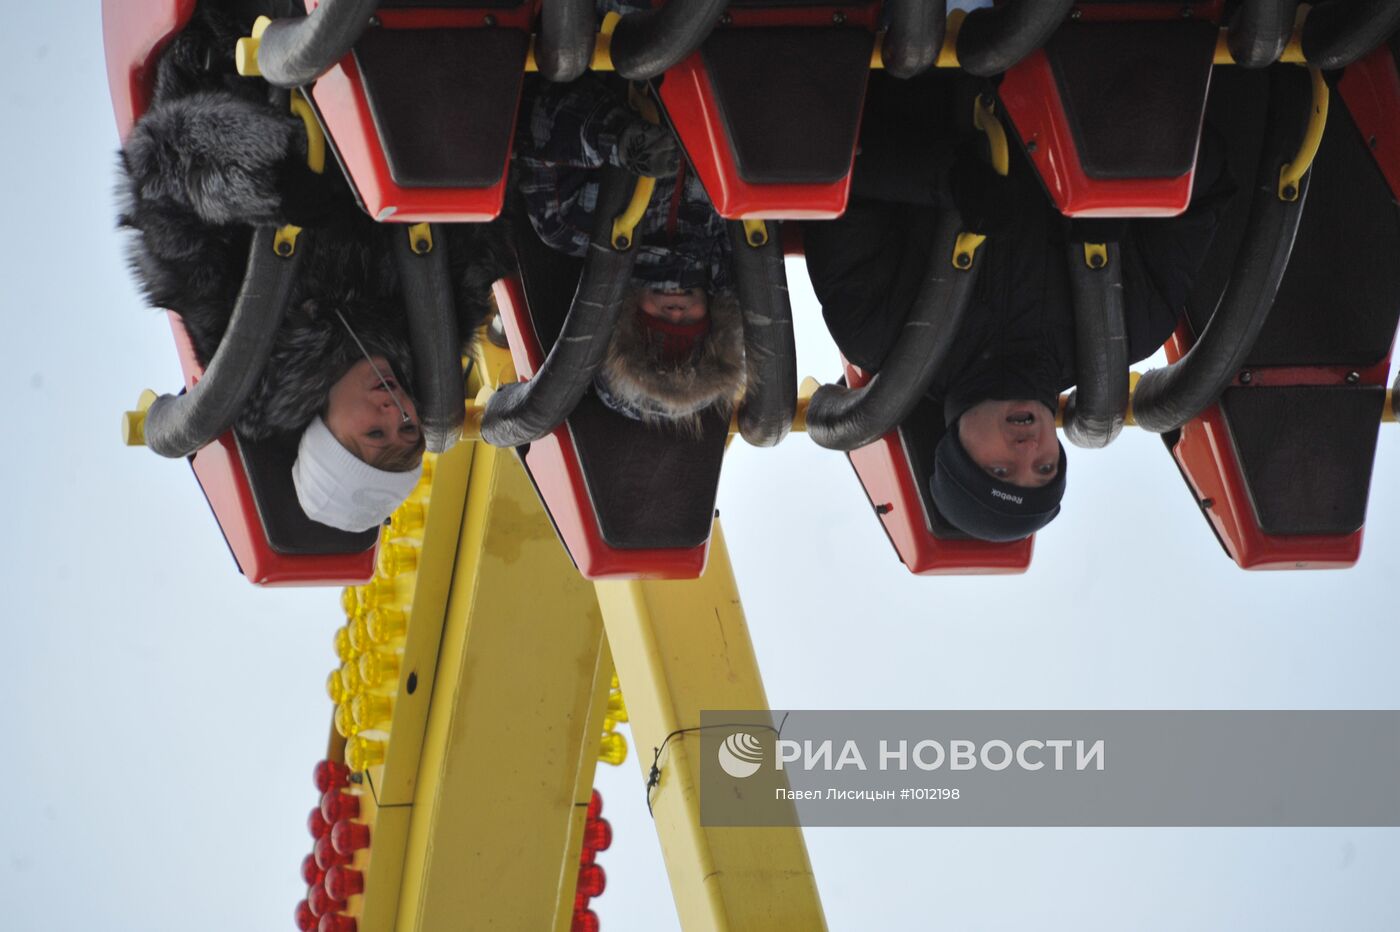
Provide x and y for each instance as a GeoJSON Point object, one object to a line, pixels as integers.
{"type": "Point", "coordinates": [1123, 83]}
{"type": "Point", "coordinates": [651, 488]}
{"type": "Point", "coordinates": [1306, 453]}
{"type": "Point", "coordinates": [443, 101]}
{"type": "Point", "coordinates": [1340, 298]}
{"type": "Point", "coordinates": [788, 121]}
{"type": "Point", "coordinates": [268, 464]}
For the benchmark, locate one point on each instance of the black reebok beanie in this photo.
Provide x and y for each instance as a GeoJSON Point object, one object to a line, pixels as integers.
{"type": "Point", "coordinates": [985, 506]}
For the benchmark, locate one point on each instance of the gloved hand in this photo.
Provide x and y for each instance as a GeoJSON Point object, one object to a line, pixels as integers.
{"type": "Point", "coordinates": [985, 199]}
{"type": "Point", "coordinates": [647, 149]}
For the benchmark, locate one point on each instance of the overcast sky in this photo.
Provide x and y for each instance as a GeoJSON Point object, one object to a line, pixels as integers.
{"type": "Point", "coordinates": [165, 714]}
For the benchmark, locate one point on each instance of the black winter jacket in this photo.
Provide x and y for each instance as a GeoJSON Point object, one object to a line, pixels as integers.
{"type": "Point", "coordinates": [210, 160]}
{"type": "Point", "coordinates": [867, 265]}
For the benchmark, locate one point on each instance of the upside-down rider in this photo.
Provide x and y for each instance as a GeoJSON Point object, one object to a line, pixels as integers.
{"type": "Point", "coordinates": [999, 468]}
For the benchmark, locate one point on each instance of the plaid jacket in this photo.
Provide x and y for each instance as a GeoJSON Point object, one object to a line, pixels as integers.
{"type": "Point", "coordinates": [573, 129]}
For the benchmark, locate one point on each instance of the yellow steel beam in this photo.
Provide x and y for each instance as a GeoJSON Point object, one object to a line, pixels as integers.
{"type": "Point", "coordinates": [681, 647]}
{"type": "Point", "coordinates": [513, 724]}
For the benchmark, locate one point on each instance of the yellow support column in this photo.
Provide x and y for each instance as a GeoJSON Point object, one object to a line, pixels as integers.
{"type": "Point", "coordinates": [683, 647]}
{"type": "Point", "coordinates": [513, 727]}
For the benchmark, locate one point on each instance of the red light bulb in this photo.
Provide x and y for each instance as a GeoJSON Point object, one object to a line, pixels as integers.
{"type": "Point", "coordinates": [336, 805]}
{"type": "Point", "coordinates": [321, 902]}
{"type": "Point", "coordinates": [317, 824]}
{"type": "Point", "coordinates": [344, 882]}
{"type": "Point", "coordinates": [330, 775]}
{"type": "Point", "coordinates": [306, 920]}
{"type": "Point", "coordinates": [585, 921]}
{"type": "Point", "coordinates": [334, 923]}
{"type": "Point", "coordinates": [326, 855]}
{"type": "Point", "coordinates": [598, 835]}
{"type": "Point", "coordinates": [587, 856]}
{"type": "Point", "coordinates": [595, 805]}
{"type": "Point", "coordinates": [348, 837]}
{"type": "Point", "coordinates": [591, 880]}
{"type": "Point", "coordinates": [311, 871]}
{"type": "Point", "coordinates": [580, 902]}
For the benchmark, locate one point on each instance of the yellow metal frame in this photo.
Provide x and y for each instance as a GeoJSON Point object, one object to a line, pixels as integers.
{"type": "Point", "coordinates": [682, 647]}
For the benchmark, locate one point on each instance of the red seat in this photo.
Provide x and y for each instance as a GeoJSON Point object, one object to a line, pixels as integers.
{"type": "Point", "coordinates": [897, 495]}
{"type": "Point", "coordinates": [134, 32]}
{"type": "Point", "coordinates": [1110, 110]}
{"type": "Point", "coordinates": [768, 109]}
{"type": "Point", "coordinates": [422, 111]}
{"type": "Point", "coordinates": [557, 471]}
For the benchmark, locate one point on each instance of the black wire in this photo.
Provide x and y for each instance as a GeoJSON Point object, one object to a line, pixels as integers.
{"type": "Point", "coordinates": [654, 775]}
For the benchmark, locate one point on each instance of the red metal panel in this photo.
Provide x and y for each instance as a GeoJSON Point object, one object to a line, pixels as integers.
{"type": "Point", "coordinates": [1032, 101]}
{"type": "Point", "coordinates": [883, 469]}
{"type": "Point", "coordinates": [1371, 89]}
{"type": "Point", "coordinates": [558, 476]}
{"type": "Point", "coordinates": [133, 33]}
{"type": "Point", "coordinates": [340, 98]}
{"type": "Point", "coordinates": [689, 99]}
{"type": "Point", "coordinates": [344, 109]}
{"type": "Point", "coordinates": [1208, 460]}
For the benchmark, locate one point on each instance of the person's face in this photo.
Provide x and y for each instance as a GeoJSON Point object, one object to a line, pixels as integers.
{"type": "Point", "coordinates": [361, 413]}
{"type": "Point", "coordinates": [1012, 440]}
{"type": "Point", "coordinates": [675, 307]}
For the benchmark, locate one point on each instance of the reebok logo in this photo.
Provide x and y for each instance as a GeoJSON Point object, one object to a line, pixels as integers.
{"type": "Point", "coordinates": [1010, 498]}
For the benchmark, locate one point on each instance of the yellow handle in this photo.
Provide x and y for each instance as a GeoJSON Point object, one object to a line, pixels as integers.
{"type": "Point", "coordinates": [985, 119]}
{"type": "Point", "coordinates": [1290, 177]}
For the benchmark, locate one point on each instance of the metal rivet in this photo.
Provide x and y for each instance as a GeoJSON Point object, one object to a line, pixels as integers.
{"type": "Point", "coordinates": [1246, 377]}
{"type": "Point", "coordinates": [726, 19]}
{"type": "Point", "coordinates": [1186, 12]}
{"type": "Point", "coordinates": [421, 246]}
{"type": "Point", "coordinates": [838, 17]}
{"type": "Point", "coordinates": [489, 19]}
{"type": "Point", "coordinates": [622, 242]}
{"type": "Point", "coordinates": [1031, 146]}
{"type": "Point", "coordinates": [1076, 14]}
{"type": "Point", "coordinates": [1290, 193]}
{"type": "Point", "coordinates": [1096, 261]}
{"type": "Point", "coordinates": [1371, 142]}
{"type": "Point", "coordinates": [374, 20]}
{"type": "Point", "coordinates": [962, 260]}
{"type": "Point", "coordinates": [1207, 503]}
{"type": "Point", "coordinates": [1353, 378]}
{"type": "Point", "coordinates": [284, 248]}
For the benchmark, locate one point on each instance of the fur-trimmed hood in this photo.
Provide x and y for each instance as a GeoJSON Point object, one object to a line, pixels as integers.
{"type": "Point", "coordinates": [636, 381]}
{"type": "Point", "coordinates": [312, 351]}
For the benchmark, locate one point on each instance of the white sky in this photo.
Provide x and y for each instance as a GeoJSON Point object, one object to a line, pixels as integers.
{"type": "Point", "coordinates": [165, 714]}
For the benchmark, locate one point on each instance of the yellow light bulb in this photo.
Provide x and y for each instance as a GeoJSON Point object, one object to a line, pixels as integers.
{"type": "Point", "coordinates": [378, 668]}
{"type": "Point", "coordinates": [429, 465]}
{"type": "Point", "coordinates": [379, 592]}
{"type": "Point", "coordinates": [408, 520]}
{"type": "Point", "coordinates": [345, 721]}
{"type": "Point", "coordinates": [350, 601]}
{"type": "Point", "coordinates": [397, 558]}
{"type": "Point", "coordinates": [615, 684]}
{"type": "Point", "coordinates": [372, 711]}
{"type": "Point", "coordinates": [363, 753]}
{"type": "Point", "coordinates": [335, 687]}
{"type": "Point", "coordinates": [613, 749]}
{"type": "Point", "coordinates": [617, 709]}
{"type": "Point", "coordinates": [350, 679]}
{"type": "Point", "coordinates": [359, 636]}
{"type": "Point", "coordinates": [344, 650]}
{"type": "Point", "coordinates": [387, 625]}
